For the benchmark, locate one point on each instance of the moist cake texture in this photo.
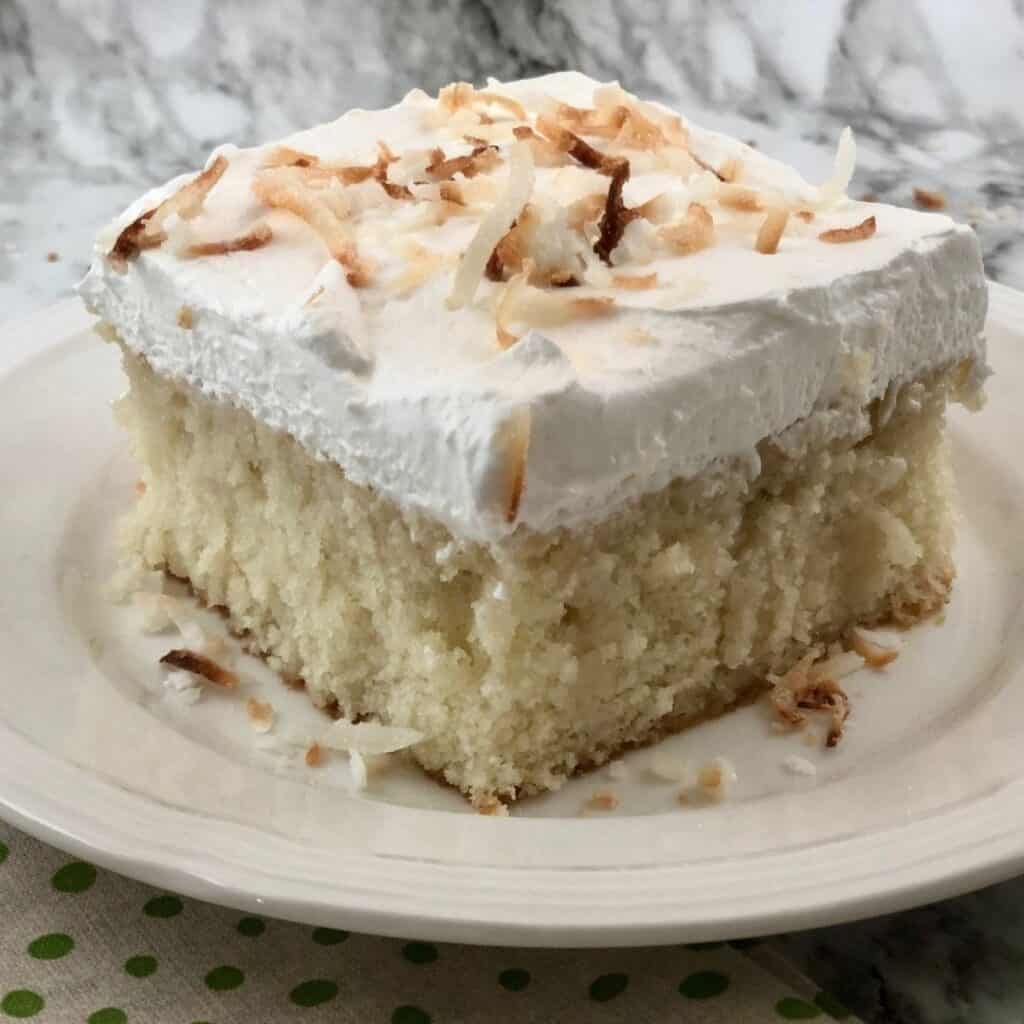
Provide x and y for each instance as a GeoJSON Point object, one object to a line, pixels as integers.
{"type": "Point", "coordinates": [536, 419]}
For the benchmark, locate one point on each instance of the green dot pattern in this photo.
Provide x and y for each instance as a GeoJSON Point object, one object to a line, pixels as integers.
{"type": "Point", "coordinates": [420, 952]}
{"type": "Point", "coordinates": [410, 1015]}
{"type": "Point", "coordinates": [515, 979]}
{"type": "Point", "coordinates": [22, 1002]}
{"type": "Point", "coordinates": [224, 978]}
{"type": "Point", "coordinates": [140, 966]}
{"type": "Point", "coordinates": [313, 992]}
{"type": "Point", "coordinates": [51, 947]}
{"type": "Point", "coordinates": [832, 1006]}
{"type": "Point", "coordinates": [163, 906]}
{"type": "Point", "coordinates": [608, 986]}
{"type": "Point", "coordinates": [108, 1015]}
{"type": "Point", "coordinates": [66, 974]}
{"type": "Point", "coordinates": [792, 1008]}
{"type": "Point", "coordinates": [703, 985]}
{"type": "Point", "coordinates": [74, 877]}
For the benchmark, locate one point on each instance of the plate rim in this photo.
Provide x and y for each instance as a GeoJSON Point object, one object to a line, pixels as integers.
{"type": "Point", "coordinates": [226, 882]}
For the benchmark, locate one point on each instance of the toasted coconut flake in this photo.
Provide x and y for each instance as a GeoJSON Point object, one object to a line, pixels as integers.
{"type": "Point", "coordinates": [256, 237]}
{"type": "Point", "coordinates": [186, 318]}
{"type": "Point", "coordinates": [514, 444]}
{"type": "Point", "coordinates": [285, 156]}
{"type": "Point", "coordinates": [616, 215]}
{"type": "Point", "coordinates": [635, 284]}
{"type": "Point", "coordinates": [835, 188]}
{"type": "Point", "coordinates": [828, 695]}
{"type": "Point", "coordinates": [520, 302]}
{"type": "Point", "coordinates": [462, 96]}
{"type": "Point", "coordinates": [805, 215]}
{"type": "Point", "coordinates": [739, 197]}
{"type": "Point", "coordinates": [314, 755]}
{"type": "Point", "coordinates": [369, 738]}
{"type": "Point", "coordinates": [601, 800]}
{"type": "Point", "coordinates": [140, 487]}
{"type": "Point", "coordinates": [513, 247]}
{"type": "Point", "coordinates": [146, 231]}
{"type": "Point", "coordinates": [582, 152]}
{"type": "Point", "coordinates": [715, 778]}
{"type": "Point", "coordinates": [586, 210]}
{"type": "Point", "coordinates": [770, 233]}
{"type": "Point", "coordinates": [731, 170]}
{"type": "Point", "coordinates": [495, 99]}
{"type": "Point", "coordinates": [200, 665]}
{"type": "Point", "coordinates": [479, 161]}
{"type": "Point", "coordinates": [695, 232]}
{"type": "Point", "coordinates": [857, 233]}
{"type": "Point", "coordinates": [929, 199]}
{"type": "Point", "coordinates": [877, 655]}
{"type": "Point", "coordinates": [261, 714]}
{"type": "Point", "coordinates": [838, 666]}
{"type": "Point", "coordinates": [286, 188]}
{"type": "Point", "coordinates": [703, 164]}
{"type": "Point", "coordinates": [804, 687]}
{"type": "Point", "coordinates": [545, 152]}
{"type": "Point", "coordinates": [424, 263]}
{"type": "Point", "coordinates": [495, 224]}
{"type": "Point", "coordinates": [450, 192]}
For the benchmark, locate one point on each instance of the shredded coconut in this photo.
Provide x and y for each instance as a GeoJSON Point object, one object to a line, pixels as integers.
{"type": "Point", "coordinates": [494, 225]}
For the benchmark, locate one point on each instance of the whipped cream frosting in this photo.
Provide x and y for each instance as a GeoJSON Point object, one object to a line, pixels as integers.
{"type": "Point", "coordinates": [415, 398]}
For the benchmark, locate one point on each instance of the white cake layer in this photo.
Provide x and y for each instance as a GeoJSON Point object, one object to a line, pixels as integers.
{"type": "Point", "coordinates": [411, 397]}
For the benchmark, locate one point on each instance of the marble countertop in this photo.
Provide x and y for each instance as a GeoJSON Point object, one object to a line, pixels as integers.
{"type": "Point", "coordinates": [101, 99]}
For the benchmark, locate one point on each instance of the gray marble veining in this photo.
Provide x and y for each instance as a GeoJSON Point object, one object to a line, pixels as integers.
{"type": "Point", "coordinates": [101, 98]}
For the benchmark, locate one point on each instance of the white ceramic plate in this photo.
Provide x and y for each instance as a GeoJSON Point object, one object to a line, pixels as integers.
{"type": "Point", "coordinates": [924, 798]}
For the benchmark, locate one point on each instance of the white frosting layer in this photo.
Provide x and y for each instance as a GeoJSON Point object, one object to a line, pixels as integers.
{"type": "Point", "coordinates": [411, 398]}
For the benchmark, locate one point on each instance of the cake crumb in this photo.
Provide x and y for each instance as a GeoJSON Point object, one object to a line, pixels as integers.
{"type": "Point", "coordinates": [929, 199]}
{"type": "Point", "coordinates": [200, 665]}
{"type": "Point", "coordinates": [314, 755]}
{"type": "Point", "coordinates": [186, 318]}
{"type": "Point", "coordinates": [601, 800]}
{"type": "Point", "coordinates": [261, 714]}
{"type": "Point", "coordinates": [182, 687]}
{"type": "Point", "coordinates": [492, 807]}
{"type": "Point", "coordinates": [357, 766]}
{"type": "Point", "coordinates": [796, 765]}
{"type": "Point", "coordinates": [52, 257]}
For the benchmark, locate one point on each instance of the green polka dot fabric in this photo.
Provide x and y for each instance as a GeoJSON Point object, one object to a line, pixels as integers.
{"type": "Point", "coordinates": [79, 944]}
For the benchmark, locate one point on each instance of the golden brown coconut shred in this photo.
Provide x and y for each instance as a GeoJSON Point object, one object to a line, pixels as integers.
{"type": "Point", "coordinates": [146, 231]}
{"type": "Point", "coordinates": [200, 665]}
{"type": "Point", "coordinates": [616, 215]}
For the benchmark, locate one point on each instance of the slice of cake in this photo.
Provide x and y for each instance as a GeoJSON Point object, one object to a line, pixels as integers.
{"type": "Point", "coordinates": [536, 419]}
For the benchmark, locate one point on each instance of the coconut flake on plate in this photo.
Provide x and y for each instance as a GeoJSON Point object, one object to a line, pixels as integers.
{"type": "Point", "coordinates": [368, 738]}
